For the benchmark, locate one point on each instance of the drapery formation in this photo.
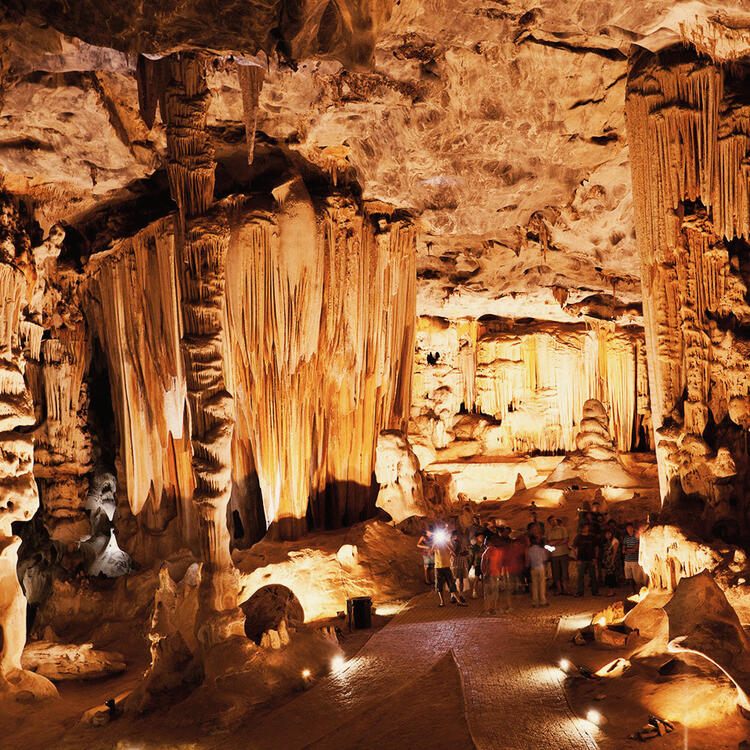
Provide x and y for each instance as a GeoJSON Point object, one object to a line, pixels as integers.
{"type": "Point", "coordinates": [322, 301]}
{"type": "Point", "coordinates": [317, 352]}
{"type": "Point", "coordinates": [535, 378]}
{"type": "Point", "coordinates": [689, 131]}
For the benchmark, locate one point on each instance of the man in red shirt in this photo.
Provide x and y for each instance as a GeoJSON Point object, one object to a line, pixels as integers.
{"type": "Point", "coordinates": [492, 567]}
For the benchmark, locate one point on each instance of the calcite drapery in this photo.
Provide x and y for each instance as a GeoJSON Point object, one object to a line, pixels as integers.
{"type": "Point", "coordinates": [689, 130]}
{"type": "Point", "coordinates": [321, 306]}
{"type": "Point", "coordinates": [534, 378]}
{"type": "Point", "coordinates": [318, 353]}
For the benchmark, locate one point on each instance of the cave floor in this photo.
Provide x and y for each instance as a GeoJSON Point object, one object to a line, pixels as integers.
{"type": "Point", "coordinates": [508, 693]}
{"type": "Point", "coordinates": [432, 677]}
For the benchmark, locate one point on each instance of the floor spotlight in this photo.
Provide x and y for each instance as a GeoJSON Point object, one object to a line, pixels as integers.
{"type": "Point", "coordinates": [594, 716]}
{"type": "Point", "coordinates": [565, 665]}
{"type": "Point", "coordinates": [337, 663]}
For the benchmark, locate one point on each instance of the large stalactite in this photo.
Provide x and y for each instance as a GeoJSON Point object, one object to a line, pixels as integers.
{"type": "Point", "coordinates": [321, 304]}
{"type": "Point", "coordinates": [689, 130]}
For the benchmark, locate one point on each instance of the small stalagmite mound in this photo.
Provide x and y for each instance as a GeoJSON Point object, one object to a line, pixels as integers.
{"type": "Point", "coordinates": [594, 440]}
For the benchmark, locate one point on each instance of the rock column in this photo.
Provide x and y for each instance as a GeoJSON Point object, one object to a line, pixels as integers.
{"type": "Point", "coordinates": [201, 245]}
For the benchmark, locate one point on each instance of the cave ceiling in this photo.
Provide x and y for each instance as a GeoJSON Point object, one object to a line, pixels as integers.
{"type": "Point", "coordinates": [499, 124]}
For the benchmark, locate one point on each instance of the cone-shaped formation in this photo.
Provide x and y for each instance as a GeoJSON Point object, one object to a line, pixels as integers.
{"type": "Point", "coordinates": [251, 82]}
{"type": "Point", "coordinates": [594, 440]}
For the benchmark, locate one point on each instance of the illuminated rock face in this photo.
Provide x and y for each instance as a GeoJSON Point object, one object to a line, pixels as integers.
{"type": "Point", "coordinates": [19, 497]}
{"type": "Point", "coordinates": [688, 125]}
{"type": "Point", "coordinates": [309, 402]}
{"type": "Point", "coordinates": [533, 378]}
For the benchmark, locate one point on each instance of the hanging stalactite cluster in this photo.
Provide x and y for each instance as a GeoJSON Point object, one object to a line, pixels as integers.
{"type": "Point", "coordinates": [689, 129]}
{"type": "Point", "coordinates": [535, 379]}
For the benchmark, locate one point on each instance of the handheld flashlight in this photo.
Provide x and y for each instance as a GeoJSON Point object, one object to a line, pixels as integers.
{"type": "Point", "coordinates": [440, 536]}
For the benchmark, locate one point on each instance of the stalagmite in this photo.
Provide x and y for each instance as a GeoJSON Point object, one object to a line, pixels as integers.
{"type": "Point", "coordinates": [397, 470]}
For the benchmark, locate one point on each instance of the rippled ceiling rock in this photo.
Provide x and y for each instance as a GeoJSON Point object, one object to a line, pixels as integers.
{"type": "Point", "coordinates": [498, 123]}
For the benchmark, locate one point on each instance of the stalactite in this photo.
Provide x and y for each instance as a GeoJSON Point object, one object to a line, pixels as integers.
{"type": "Point", "coordinates": [689, 133]}
{"type": "Point", "coordinates": [152, 77]}
{"type": "Point", "coordinates": [536, 383]}
{"type": "Point", "coordinates": [321, 318]}
{"type": "Point", "coordinates": [251, 82]}
{"type": "Point", "coordinates": [467, 361]}
{"type": "Point", "coordinates": [131, 301]}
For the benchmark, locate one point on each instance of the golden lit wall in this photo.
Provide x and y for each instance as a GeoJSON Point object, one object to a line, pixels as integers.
{"type": "Point", "coordinates": [319, 327]}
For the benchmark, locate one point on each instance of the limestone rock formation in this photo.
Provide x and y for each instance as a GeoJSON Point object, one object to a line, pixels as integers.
{"type": "Point", "coordinates": [693, 228]}
{"type": "Point", "coordinates": [63, 661]}
{"type": "Point", "coordinates": [594, 440]}
{"type": "Point", "coordinates": [397, 471]}
{"type": "Point", "coordinates": [701, 621]}
{"type": "Point", "coordinates": [532, 378]}
{"type": "Point", "coordinates": [19, 498]}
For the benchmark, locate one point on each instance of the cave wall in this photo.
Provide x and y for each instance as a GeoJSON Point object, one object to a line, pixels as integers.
{"type": "Point", "coordinates": [689, 129]}
{"type": "Point", "coordinates": [534, 377]}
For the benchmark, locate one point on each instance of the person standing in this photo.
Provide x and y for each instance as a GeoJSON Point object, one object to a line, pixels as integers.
{"type": "Point", "coordinates": [441, 549]}
{"type": "Point", "coordinates": [428, 561]}
{"type": "Point", "coordinates": [557, 536]}
{"type": "Point", "coordinates": [476, 528]}
{"type": "Point", "coordinates": [630, 549]}
{"type": "Point", "coordinates": [610, 560]}
{"type": "Point", "coordinates": [507, 582]}
{"type": "Point", "coordinates": [477, 549]}
{"type": "Point", "coordinates": [459, 562]}
{"type": "Point", "coordinates": [535, 527]}
{"type": "Point", "coordinates": [536, 559]}
{"type": "Point", "coordinates": [492, 564]}
{"type": "Point", "coordinates": [587, 549]}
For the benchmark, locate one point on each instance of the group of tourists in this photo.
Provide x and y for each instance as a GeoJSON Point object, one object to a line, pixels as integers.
{"type": "Point", "coordinates": [536, 559]}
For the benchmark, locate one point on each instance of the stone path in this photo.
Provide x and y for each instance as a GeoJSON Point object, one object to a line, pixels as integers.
{"type": "Point", "coordinates": [513, 691]}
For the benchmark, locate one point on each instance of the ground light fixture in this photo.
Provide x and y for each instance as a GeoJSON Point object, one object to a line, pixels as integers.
{"type": "Point", "coordinates": [337, 663]}
{"type": "Point", "coordinates": [565, 665]}
{"type": "Point", "coordinates": [306, 674]}
{"type": "Point", "coordinates": [594, 717]}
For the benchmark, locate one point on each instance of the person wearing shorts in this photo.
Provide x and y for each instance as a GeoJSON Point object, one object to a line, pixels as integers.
{"type": "Point", "coordinates": [630, 549]}
{"type": "Point", "coordinates": [428, 561]}
{"type": "Point", "coordinates": [441, 549]}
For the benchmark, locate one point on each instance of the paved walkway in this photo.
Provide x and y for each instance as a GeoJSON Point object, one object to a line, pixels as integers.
{"type": "Point", "coordinates": [513, 691]}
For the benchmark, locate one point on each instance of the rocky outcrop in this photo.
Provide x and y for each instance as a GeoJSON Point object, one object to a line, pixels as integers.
{"type": "Point", "coordinates": [397, 471]}
{"type": "Point", "coordinates": [63, 661]}
{"type": "Point", "coordinates": [702, 622]}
